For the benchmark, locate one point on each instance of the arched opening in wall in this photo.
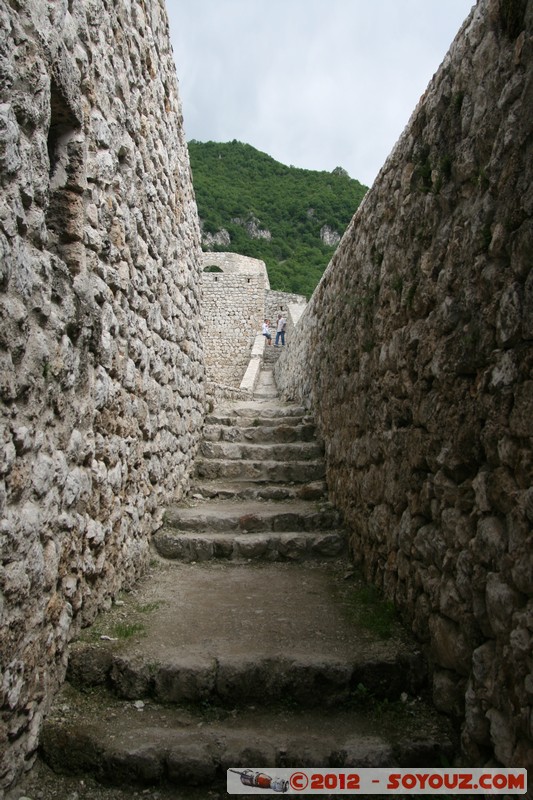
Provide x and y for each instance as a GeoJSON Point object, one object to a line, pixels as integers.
{"type": "Point", "coordinates": [64, 217]}
{"type": "Point", "coordinates": [212, 268]}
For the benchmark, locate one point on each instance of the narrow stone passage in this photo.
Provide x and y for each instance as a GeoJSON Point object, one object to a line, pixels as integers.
{"type": "Point", "coordinates": [249, 644]}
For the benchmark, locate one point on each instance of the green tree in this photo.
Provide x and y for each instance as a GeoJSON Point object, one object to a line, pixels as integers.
{"type": "Point", "coordinates": [236, 184]}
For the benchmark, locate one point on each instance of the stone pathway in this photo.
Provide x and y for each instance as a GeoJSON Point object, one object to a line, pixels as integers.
{"type": "Point", "coordinates": [251, 642]}
{"type": "Point", "coordinates": [270, 356]}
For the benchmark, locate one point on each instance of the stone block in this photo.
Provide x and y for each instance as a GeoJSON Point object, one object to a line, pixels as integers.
{"type": "Point", "coordinates": [184, 681]}
{"type": "Point", "coordinates": [449, 646]}
{"type": "Point", "coordinates": [502, 601]}
{"type": "Point", "coordinates": [521, 419]}
{"type": "Point", "coordinates": [191, 764]}
{"type": "Point", "coordinates": [10, 158]}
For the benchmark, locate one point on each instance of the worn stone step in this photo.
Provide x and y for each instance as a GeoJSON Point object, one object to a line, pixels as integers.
{"type": "Point", "coordinates": [294, 451]}
{"type": "Point", "coordinates": [258, 490]}
{"type": "Point", "coordinates": [261, 410]}
{"type": "Point", "coordinates": [136, 744]}
{"type": "Point", "coordinates": [236, 679]}
{"type": "Point", "coordinates": [252, 516]}
{"type": "Point", "coordinates": [228, 424]}
{"type": "Point", "coordinates": [298, 546]}
{"type": "Point", "coordinates": [260, 470]}
{"type": "Point", "coordinates": [260, 433]}
{"type": "Point", "coordinates": [271, 354]}
{"type": "Point", "coordinates": [44, 783]}
{"type": "Point", "coordinates": [266, 388]}
{"type": "Point", "coordinates": [229, 633]}
{"type": "Point", "coordinates": [249, 420]}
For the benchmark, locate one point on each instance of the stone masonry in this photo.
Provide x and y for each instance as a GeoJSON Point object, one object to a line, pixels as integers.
{"type": "Point", "coordinates": [416, 356]}
{"type": "Point", "coordinates": [233, 309]}
{"type": "Point", "coordinates": [101, 363]}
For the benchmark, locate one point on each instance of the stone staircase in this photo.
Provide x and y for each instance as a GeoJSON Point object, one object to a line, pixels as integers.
{"type": "Point", "coordinates": [252, 454]}
{"type": "Point", "coordinates": [272, 353]}
{"type": "Point", "coordinates": [248, 643]}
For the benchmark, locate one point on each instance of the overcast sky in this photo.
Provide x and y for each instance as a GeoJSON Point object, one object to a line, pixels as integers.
{"type": "Point", "coordinates": [313, 83]}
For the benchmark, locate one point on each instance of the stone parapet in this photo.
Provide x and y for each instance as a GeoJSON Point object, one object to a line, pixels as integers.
{"type": "Point", "coordinates": [415, 353]}
{"type": "Point", "coordinates": [251, 375]}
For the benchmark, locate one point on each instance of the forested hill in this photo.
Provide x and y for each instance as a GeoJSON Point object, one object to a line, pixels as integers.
{"type": "Point", "coordinates": [291, 218]}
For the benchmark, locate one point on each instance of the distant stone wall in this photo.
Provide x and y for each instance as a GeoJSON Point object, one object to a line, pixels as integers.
{"type": "Point", "coordinates": [101, 371]}
{"type": "Point", "coordinates": [416, 355]}
{"type": "Point", "coordinates": [278, 302]}
{"type": "Point", "coordinates": [233, 309]}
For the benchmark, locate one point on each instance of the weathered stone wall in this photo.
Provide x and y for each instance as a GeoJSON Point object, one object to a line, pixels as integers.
{"type": "Point", "coordinates": [233, 309]}
{"type": "Point", "coordinates": [278, 303]}
{"type": "Point", "coordinates": [101, 373]}
{"type": "Point", "coordinates": [416, 354]}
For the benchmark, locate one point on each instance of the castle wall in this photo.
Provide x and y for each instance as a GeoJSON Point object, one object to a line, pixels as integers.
{"type": "Point", "coordinates": [233, 309]}
{"type": "Point", "coordinates": [416, 355]}
{"type": "Point", "coordinates": [101, 371]}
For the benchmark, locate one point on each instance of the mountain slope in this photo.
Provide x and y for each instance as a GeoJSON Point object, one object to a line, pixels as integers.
{"type": "Point", "coordinates": [291, 218]}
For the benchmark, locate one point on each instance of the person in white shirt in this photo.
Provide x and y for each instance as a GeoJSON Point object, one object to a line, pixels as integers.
{"type": "Point", "coordinates": [266, 331]}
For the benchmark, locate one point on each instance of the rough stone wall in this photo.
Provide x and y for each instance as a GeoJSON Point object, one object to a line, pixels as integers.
{"type": "Point", "coordinates": [416, 354]}
{"type": "Point", "coordinates": [233, 309]}
{"type": "Point", "coordinates": [278, 302]}
{"type": "Point", "coordinates": [101, 373]}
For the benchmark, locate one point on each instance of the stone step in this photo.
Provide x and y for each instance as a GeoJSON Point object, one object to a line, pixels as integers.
{"type": "Point", "coordinates": [139, 744]}
{"type": "Point", "coordinates": [232, 633]}
{"type": "Point", "coordinates": [259, 410]}
{"type": "Point", "coordinates": [265, 387]}
{"type": "Point", "coordinates": [257, 490]}
{"type": "Point", "coordinates": [261, 433]}
{"type": "Point", "coordinates": [249, 419]}
{"type": "Point", "coordinates": [298, 546]}
{"type": "Point", "coordinates": [260, 470]}
{"type": "Point", "coordinates": [207, 666]}
{"type": "Point", "coordinates": [251, 516]}
{"type": "Point", "coordinates": [272, 353]}
{"type": "Point", "coordinates": [294, 451]}
{"type": "Point", "coordinates": [237, 679]}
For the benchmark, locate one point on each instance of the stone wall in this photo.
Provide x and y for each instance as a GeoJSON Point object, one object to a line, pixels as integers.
{"type": "Point", "coordinates": [101, 373]}
{"type": "Point", "coordinates": [233, 309]}
{"type": "Point", "coordinates": [278, 303]}
{"type": "Point", "coordinates": [416, 354]}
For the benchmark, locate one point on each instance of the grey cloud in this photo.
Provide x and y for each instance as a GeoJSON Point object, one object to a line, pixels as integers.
{"type": "Point", "coordinates": [314, 83]}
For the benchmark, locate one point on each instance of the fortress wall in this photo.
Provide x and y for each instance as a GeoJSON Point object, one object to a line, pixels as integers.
{"type": "Point", "coordinates": [233, 309]}
{"type": "Point", "coordinates": [101, 366]}
{"type": "Point", "coordinates": [278, 303]}
{"type": "Point", "coordinates": [416, 355]}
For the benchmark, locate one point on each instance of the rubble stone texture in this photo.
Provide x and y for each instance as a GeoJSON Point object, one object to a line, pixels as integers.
{"type": "Point", "coordinates": [416, 356]}
{"type": "Point", "coordinates": [233, 308]}
{"type": "Point", "coordinates": [101, 362]}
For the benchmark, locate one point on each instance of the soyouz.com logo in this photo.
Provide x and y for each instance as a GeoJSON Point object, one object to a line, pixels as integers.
{"type": "Point", "coordinates": [376, 781]}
